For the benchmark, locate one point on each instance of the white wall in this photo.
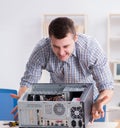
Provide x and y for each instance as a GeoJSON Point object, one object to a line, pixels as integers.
{"type": "Point", "coordinates": [21, 28]}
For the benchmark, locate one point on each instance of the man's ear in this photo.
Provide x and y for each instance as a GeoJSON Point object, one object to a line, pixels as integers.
{"type": "Point", "coordinates": [75, 38]}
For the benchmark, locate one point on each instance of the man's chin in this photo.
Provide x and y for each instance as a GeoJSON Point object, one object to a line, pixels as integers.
{"type": "Point", "coordinates": [63, 58]}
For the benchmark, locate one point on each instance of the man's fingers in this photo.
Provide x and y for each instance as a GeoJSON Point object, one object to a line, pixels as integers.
{"type": "Point", "coordinates": [15, 113]}
{"type": "Point", "coordinates": [104, 99]}
{"type": "Point", "coordinates": [97, 115]}
{"type": "Point", "coordinates": [14, 109]}
{"type": "Point", "coordinates": [16, 116]}
{"type": "Point", "coordinates": [102, 114]}
{"type": "Point", "coordinates": [14, 96]}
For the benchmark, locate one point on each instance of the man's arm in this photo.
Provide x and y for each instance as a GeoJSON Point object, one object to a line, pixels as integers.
{"type": "Point", "coordinates": [106, 93]}
{"type": "Point", "coordinates": [20, 92]}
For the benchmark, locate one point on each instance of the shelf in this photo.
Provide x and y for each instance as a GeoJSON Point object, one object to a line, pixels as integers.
{"type": "Point", "coordinates": [111, 108]}
{"type": "Point", "coordinates": [114, 38]}
{"type": "Point", "coordinates": [114, 60]}
{"type": "Point", "coordinates": [116, 83]}
{"type": "Point", "coordinates": [113, 45]}
{"type": "Point", "coordinates": [80, 21]}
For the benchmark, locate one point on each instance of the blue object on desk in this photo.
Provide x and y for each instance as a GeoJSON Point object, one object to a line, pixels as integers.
{"type": "Point", "coordinates": [7, 103]}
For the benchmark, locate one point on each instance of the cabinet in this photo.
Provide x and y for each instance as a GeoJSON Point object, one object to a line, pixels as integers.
{"type": "Point", "coordinates": [113, 37]}
{"type": "Point", "coordinates": [80, 21]}
{"type": "Point", "coordinates": [113, 45]}
{"type": "Point", "coordinates": [113, 50]}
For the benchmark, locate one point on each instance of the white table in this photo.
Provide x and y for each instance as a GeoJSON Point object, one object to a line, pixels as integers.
{"type": "Point", "coordinates": [94, 125]}
{"type": "Point", "coordinates": [103, 125]}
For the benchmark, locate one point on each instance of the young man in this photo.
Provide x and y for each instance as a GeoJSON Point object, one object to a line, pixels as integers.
{"type": "Point", "coordinates": [70, 58]}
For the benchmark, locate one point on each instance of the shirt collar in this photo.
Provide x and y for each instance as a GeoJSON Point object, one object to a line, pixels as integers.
{"type": "Point", "coordinates": [74, 51]}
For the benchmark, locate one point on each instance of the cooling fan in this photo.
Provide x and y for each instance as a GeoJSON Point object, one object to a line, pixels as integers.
{"type": "Point", "coordinates": [76, 112]}
{"type": "Point", "coordinates": [59, 109]}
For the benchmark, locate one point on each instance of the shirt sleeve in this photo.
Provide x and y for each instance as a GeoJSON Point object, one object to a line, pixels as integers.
{"type": "Point", "coordinates": [99, 66]}
{"type": "Point", "coordinates": [34, 66]}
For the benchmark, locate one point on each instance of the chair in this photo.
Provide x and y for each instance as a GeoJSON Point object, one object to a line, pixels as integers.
{"type": "Point", "coordinates": [7, 103]}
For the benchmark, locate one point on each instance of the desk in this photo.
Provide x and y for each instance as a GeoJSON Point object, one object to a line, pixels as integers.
{"type": "Point", "coordinates": [103, 125]}
{"type": "Point", "coordinates": [94, 125]}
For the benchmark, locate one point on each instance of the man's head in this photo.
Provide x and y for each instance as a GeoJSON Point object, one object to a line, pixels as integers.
{"type": "Point", "coordinates": [61, 26]}
{"type": "Point", "coordinates": [63, 36]}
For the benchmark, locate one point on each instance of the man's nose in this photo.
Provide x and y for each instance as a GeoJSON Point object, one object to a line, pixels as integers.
{"type": "Point", "coordinates": [61, 52]}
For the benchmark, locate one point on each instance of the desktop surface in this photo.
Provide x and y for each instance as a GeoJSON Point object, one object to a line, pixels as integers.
{"type": "Point", "coordinates": [94, 125]}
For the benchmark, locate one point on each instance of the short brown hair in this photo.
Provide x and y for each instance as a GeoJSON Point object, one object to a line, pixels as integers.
{"type": "Point", "coordinates": [60, 27]}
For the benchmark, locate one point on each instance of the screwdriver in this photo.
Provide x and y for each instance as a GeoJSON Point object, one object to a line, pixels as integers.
{"type": "Point", "coordinates": [12, 124]}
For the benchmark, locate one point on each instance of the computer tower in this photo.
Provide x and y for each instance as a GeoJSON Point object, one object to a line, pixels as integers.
{"type": "Point", "coordinates": [47, 105]}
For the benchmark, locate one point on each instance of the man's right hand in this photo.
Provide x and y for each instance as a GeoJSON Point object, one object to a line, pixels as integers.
{"type": "Point", "coordinates": [20, 92]}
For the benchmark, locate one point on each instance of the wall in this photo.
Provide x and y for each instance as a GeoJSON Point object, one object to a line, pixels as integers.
{"type": "Point", "coordinates": [21, 28]}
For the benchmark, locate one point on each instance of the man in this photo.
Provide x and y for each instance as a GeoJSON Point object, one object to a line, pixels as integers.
{"type": "Point", "coordinates": [70, 58]}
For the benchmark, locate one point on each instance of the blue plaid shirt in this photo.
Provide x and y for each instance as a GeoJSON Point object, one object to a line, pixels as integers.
{"type": "Point", "coordinates": [87, 64]}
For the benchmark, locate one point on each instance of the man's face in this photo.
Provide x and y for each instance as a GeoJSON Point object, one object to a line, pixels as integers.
{"type": "Point", "coordinates": [63, 48]}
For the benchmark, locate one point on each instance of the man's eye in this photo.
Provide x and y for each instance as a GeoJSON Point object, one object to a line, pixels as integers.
{"type": "Point", "coordinates": [65, 46]}
{"type": "Point", "coordinates": [55, 47]}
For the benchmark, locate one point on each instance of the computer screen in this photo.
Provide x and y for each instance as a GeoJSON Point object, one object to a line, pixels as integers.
{"type": "Point", "coordinates": [118, 69]}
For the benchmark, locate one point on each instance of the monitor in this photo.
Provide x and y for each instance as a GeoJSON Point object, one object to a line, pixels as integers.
{"type": "Point", "coordinates": [116, 71]}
